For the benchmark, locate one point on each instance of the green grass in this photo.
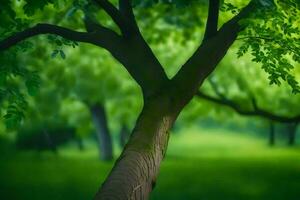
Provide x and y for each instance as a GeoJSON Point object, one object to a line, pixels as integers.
{"type": "Point", "coordinates": [200, 164]}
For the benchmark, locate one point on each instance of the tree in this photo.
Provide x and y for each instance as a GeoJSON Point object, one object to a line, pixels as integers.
{"type": "Point", "coordinates": [134, 173]}
{"type": "Point", "coordinates": [77, 86]}
{"type": "Point", "coordinates": [258, 112]}
{"type": "Point", "coordinates": [272, 134]}
{"type": "Point", "coordinates": [292, 129]}
{"type": "Point", "coordinates": [251, 97]}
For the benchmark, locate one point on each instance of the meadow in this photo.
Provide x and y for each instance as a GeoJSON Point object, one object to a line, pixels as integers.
{"type": "Point", "coordinates": [200, 164]}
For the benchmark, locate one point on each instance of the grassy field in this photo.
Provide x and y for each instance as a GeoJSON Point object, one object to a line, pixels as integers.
{"type": "Point", "coordinates": [200, 164]}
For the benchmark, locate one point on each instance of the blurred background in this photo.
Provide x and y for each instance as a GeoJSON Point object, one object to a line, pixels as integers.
{"type": "Point", "coordinates": [237, 139]}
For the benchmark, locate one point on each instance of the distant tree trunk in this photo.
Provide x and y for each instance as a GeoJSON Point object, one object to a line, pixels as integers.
{"type": "Point", "coordinates": [134, 173]}
{"type": "Point", "coordinates": [80, 144]}
{"type": "Point", "coordinates": [124, 135]}
{"type": "Point", "coordinates": [50, 143]}
{"type": "Point", "coordinates": [272, 134]}
{"type": "Point", "coordinates": [292, 129]}
{"type": "Point", "coordinates": [102, 131]}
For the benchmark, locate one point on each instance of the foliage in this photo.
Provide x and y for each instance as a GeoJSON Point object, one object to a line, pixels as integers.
{"type": "Point", "coordinates": [247, 83]}
{"type": "Point", "coordinates": [273, 39]}
{"type": "Point", "coordinates": [15, 79]}
{"type": "Point", "coordinates": [271, 35]}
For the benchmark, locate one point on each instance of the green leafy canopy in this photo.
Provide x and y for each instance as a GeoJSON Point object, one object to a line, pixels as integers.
{"type": "Point", "coordinates": [272, 37]}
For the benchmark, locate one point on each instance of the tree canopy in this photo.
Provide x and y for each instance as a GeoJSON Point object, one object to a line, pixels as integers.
{"type": "Point", "coordinates": [270, 34]}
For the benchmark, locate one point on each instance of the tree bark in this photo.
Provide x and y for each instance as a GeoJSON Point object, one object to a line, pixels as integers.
{"type": "Point", "coordinates": [134, 174]}
{"type": "Point", "coordinates": [272, 134]}
{"type": "Point", "coordinates": [292, 128]}
{"type": "Point", "coordinates": [102, 132]}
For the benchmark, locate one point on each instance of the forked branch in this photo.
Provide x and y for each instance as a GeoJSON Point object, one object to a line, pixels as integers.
{"type": "Point", "coordinates": [120, 20]}
{"type": "Point", "coordinates": [211, 51]}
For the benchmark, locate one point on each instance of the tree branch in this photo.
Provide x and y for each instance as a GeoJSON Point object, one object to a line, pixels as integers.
{"type": "Point", "coordinates": [116, 16]}
{"type": "Point", "coordinates": [254, 103]}
{"type": "Point", "coordinates": [44, 29]}
{"type": "Point", "coordinates": [125, 7]}
{"type": "Point", "coordinates": [216, 88]}
{"type": "Point", "coordinates": [133, 53]}
{"type": "Point", "coordinates": [136, 56]}
{"type": "Point", "coordinates": [101, 37]}
{"type": "Point", "coordinates": [258, 112]}
{"type": "Point", "coordinates": [209, 54]}
{"type": "Point", "coordinates": [92, 25]}
{"type": "Point", "coordinates": [212, 19]}
{"type": "Point", "coordinates": [90, 21]}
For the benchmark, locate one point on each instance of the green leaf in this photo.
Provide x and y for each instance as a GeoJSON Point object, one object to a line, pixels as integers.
{"type": "Point", "coordinates": [32, 6]}
{"type": "Point", "coordinates": [62, 54]}
{"type": "Point", "coordinates": [13, 117]}
{"type": "Point", "coordinates": [33, 83]}
{"type": "Point", "coordinates": [267, 3]}
{"type": "Point", "coordinates": [54, 53]}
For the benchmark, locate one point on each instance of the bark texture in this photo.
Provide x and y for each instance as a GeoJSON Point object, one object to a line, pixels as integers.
{"type": "Point", "coordinates": [102, 131]}
{"type": "Point", "coordinates": [134, 174]}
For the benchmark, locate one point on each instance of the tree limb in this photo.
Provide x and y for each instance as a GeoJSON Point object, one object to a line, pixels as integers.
{"type": "Point", "coordinates": [254, 103]}
{"type": "Point", "coordinates": [212, 19]}
{"type": "Point", "coordinates": [209, 54]}
{"type": "Point", "coordinates": [116, 16]}
{"type": "Point", "coordinates": [136, 56]}
{"type": "Point", "coordinates": [44, 29]}
{"type": "Point", "coordinates": [141, 67]}
{"type": "Point", "coordinates": [216, 88]}
{"type": "Point", "coordinates": [90, 22]}
{"type": "Point", "coordinates": [258, 112]}
{"type": "Point", "coordinates": [92, 26]}
{"type": "Point", "coordinates": [125, 7]}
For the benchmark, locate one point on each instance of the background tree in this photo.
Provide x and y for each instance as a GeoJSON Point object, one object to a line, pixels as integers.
{"type": "Point", "coordinates": [86, 99]}
{"type": "Point", "coordinates": [251, 96]}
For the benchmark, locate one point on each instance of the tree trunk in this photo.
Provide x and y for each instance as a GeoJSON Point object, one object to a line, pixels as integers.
{"type": "Point", "coordinates": [50, 143]}
{"type": "Point", "coordinates": [102, 132]}
{"type": "Point", "coordinates": [80, 143]}
{"type": "Point", "coordinates": [134, 173]}
{"type": "Point", "coordinates": [124, 135]}
{"type": "Point", "coordinates": [272, 134]}
{"type": "Point", "coordinates": [292, 128]}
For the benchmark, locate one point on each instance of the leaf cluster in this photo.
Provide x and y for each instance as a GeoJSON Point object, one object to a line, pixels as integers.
{"type": "Point", "coordinates": [272, 37]}
{"type": "Point", "coordinates": [16, 81]}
